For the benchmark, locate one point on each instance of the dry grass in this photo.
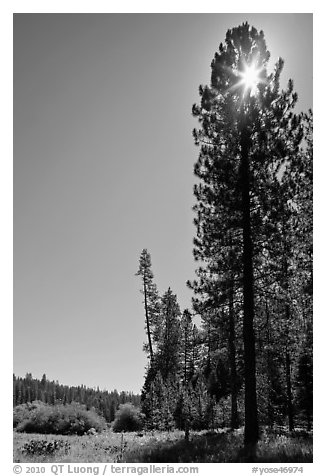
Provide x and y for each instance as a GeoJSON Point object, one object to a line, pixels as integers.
{"type": "Point", "coordinates": [166, 447]}
{"type": "Point", "coordinates": [105, 447]}
{"type": "Point", "coordinates": [285, 448]}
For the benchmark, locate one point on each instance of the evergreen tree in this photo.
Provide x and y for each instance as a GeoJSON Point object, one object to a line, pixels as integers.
{"type": "Point", "coordinates": [151, 299]}
{"type": "Point", "coordinates": [247, 131]}
{"type": "Point", "coordinates": [167, 359]}
{"type": "Point", "coordinates": [186, 346]}
{"type": "Point", "coordinates": [304, 382]}
{"type": "Point", "coordinates": [105, 403]}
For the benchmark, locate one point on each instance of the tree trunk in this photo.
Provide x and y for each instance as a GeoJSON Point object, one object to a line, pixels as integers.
{"type": "Point", "coordinates": [251, 415]}
{"type": "Point", "coordinates": [270, 406]}
{"type": "Point", "coordinates": [287, 351]}
{"type": "Point", "coordinates": [185, 353]}
{"type": "Point", "coordinates": [233, 368]}
{"type": "Point", "coordinates": [147, 323]}
{"type": "Point", "coordinates": [289, 388]}
{"type": "Point", "coordinates": [187, 431]}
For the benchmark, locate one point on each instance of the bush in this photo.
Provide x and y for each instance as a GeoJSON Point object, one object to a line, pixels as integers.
{"type": "Point", "coordinates": [56, 419]}
{"type": "Point", "coordinates": [23, 412]}
{"type": "Point", "coordinates": [128, 418]}
{"type": "Point", "coordinates": [43, 447]}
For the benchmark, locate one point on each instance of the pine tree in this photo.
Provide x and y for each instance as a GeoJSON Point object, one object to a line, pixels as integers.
{"type": "Point", "coordinates": [151, 299]}
{"type": "Point", "coordinates": [167, 359]}
{"type": "Point", "coordinates": [186, 346]}
{"type": "Point", "coordinates": [304, 382]}
{"type": "Point", "coordinates": [247, 131]}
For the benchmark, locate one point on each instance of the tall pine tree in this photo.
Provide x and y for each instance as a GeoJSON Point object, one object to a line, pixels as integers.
{"type": "Point", "coordinates": [151, 300]}
{"type": "Point", "coordinates": [246, 123]}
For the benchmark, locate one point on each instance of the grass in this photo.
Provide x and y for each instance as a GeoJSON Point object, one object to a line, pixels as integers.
{"type": "Point", "coordinates": [284, 447]}
{"type": "Point", "coordinates": [163, 447]}
{"type": "Point", "coordinates": [101, 448]}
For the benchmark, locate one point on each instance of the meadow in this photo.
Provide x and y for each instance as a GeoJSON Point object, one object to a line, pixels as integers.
{"type": "Point", "coordinates": [221, 446]}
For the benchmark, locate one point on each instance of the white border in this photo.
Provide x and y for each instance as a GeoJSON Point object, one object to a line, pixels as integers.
{"type": "Point", "coordinates": [6, 188]}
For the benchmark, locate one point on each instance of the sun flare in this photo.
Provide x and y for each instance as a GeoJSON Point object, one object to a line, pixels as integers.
{"type": "Point", "coordinates": [250, 77]}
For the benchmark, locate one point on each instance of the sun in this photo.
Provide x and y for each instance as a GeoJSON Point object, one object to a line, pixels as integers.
{"type": "Point", "coordinates": [250, 77]}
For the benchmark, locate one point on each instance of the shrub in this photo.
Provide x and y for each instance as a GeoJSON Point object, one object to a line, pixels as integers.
{"type": "Point", "coordinates": [23, 412]}
{"type": "Point", "coordinates": [44, 447]}
{"type": "Point", "coordinates": [56, 419]}
{"type": "Point", "coordinates": [128, 418]}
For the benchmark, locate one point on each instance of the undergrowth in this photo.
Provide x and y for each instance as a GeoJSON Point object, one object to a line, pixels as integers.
{"type": "Point", "coordinates": [162, 447]}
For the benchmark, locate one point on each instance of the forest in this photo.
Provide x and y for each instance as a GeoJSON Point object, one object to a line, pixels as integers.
{"type": "Point", "coordinates": [240, 360]}
{"type": "Point", "coordinates": [249, 362]}
{"type": "Point", "coordinates": [28, 389]}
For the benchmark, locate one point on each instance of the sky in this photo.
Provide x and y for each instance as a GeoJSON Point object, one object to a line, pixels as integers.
{"type": "Point", "coordinates": [103, 167]}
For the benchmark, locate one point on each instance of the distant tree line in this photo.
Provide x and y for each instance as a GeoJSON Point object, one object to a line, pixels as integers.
{"type": "Point", "coordinates": [28, 389]}
{"type": "Point", "coordinates": [250, 361]}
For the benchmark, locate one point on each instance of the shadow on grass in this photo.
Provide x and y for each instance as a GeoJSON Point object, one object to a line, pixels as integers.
{"type": "Point", "coordinates": [207, 448]}
{"type": "Point", "coordinates": [224, 448]}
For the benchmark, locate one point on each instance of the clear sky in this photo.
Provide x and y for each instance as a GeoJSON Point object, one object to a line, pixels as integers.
{"type": "Point", "coordinates": [103, 167]}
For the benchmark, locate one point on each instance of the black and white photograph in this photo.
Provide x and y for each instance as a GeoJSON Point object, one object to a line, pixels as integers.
{"type": "Point", "coordinates": [163, 239]}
